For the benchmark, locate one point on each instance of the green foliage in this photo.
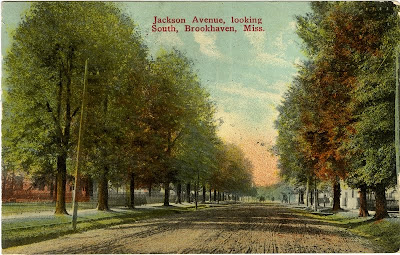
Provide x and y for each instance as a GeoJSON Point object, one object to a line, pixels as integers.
{"type": "Point", "coordinates": [293, 163]}
{"type": "Point", "coordinates": [372, 145]}
{"type": "Point", "coordinates": [234, 172]}
{"type": "Point", "coordinates": [149, 118]}
{"type": "Point", "coordinates": [44, 71]}
{"type": "Point", "coordinates": [337, 119]}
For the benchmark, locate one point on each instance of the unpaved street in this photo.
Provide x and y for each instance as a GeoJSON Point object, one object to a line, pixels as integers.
{"type": "Point", "coordinates": [241, 228]}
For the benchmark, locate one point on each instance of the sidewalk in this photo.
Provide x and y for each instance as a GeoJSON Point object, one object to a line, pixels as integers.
{"type": "Point", "coordinates": [348, 213]}
{"type": "Point", "coordinates": [28, 227]}
{"type": "Point", "coordinates": [85, 212]}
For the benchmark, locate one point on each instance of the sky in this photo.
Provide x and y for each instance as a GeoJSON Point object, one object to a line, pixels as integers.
{"type": "Point", "coordinates": [246, 73]}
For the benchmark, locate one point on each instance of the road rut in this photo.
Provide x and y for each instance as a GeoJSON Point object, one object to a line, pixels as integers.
{"type": "Point", "coordinates": [241, 228]}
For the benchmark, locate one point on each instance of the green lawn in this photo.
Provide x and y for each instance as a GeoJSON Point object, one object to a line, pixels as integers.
{"type": "Point", "coordinates": [24, 231]}
{"type": "Point", "coordinates": [385, 234]}
{"type": "Point", "coordinates": [37, 207]}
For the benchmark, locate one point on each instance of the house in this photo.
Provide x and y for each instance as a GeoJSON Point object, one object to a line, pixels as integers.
{"type": "Point", "coordinates": [349, 198]}
{"type": "Point", "coordinates": [19, 187]}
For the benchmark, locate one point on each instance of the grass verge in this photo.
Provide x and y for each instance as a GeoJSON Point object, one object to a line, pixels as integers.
{"type": "Point", "coordinates": [383, 234]}
{"type": "Point", "coordinates": [38, 207]}
{"type": "Point", "coordinates": [25, 231]}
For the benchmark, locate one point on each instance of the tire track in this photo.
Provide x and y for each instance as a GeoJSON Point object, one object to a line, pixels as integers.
{"type": "Point", "coordinates": [245, 228]}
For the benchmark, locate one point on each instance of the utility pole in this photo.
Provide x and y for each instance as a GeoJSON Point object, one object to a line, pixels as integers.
{"type": "Point", "coordinates": [397, 123]}
{"type": "Point", "coordinates": [74, 199]}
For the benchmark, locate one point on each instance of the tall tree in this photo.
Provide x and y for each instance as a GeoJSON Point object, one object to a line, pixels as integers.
{"type": "Point", "coordinates": [358, 34]}
{"type": "Point", "coordinates": [114, 103]}
{"type": "Point", "coordinates": [174, 107]}
{"type": "Point", "coordinates": [368, 32]}
{"type": "Point", "coordinates": [344, 42]}
{"type": "Point", "coordinates": [44, 70]}
{"type": "Point", "coordinates": [295, 167]}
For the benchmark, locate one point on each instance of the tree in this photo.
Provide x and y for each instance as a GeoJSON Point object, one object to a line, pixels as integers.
{"type": "Point", "coordinates": [346, 118]}
{"type": "Point", "coordinates": [174, 108]}
{"type": "Point", "coordinates": [234, 172]}
{"type": "Point", "coordinates": [195, 158]}
{"type": "Point", "coordinates": [374, 27]}
{"type": "Point", "coordinates": [294, 165]}
{"type": "Point", "coordinates": [363, 31]}
{"type": "Point", "coordinates": [44, 76]}
{"type": "Point", "coordinates": [115, 104]}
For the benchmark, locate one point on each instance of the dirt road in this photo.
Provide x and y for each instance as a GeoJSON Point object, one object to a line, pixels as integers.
{"type": "Point", "coordinates": [241, 228]}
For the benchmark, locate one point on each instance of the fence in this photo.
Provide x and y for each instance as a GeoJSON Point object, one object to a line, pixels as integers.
{"type": "Point", "coordinates": [123, 199]}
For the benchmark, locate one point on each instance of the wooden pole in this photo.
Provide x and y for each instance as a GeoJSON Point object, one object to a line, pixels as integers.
{"type": "Point", "coordinates": [74, 199]}
{"type": "Point", "coordinates": [397, 123]}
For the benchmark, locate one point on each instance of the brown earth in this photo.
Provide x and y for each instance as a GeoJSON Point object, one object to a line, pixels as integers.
{"type": "Point", "coordinates": [244, 228]}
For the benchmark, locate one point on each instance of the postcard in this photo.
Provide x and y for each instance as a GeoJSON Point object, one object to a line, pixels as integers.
{"type": "Point", "coordinates": [200, 127]}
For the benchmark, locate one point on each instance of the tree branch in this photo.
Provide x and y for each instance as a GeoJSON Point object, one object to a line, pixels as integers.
{"type": "Point", "coordinates": [51, 112]}
{"type": "Point", "coordinates": [56, 124]}
{"type": "Point", "coordinates": [176, 138]}
{"type": "Point", "coordinates": [75, 112]}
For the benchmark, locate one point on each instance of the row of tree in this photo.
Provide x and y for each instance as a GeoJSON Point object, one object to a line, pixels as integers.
{"type": "Point", "coordinates": [337, 119]}
{"type": "Point", "coordinates": [146, 122]}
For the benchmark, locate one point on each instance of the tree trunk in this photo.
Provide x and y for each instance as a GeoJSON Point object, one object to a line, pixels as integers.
{"type": "Point", "coordinates": [149, 190]}
{"type": "Point", "coordinates": [307, 191]}
{"type": "Point", "coordinates": [336, 195]}
{"type": "Point", "coordinates": [218, 197]}
{"type": "Point", "coordinates": [61, 182]}
{"type": "Point", "coordinates": [102, 203]}
{"type": "Point", "coordinates": [64, 142]}
{"type": "Point", "coordinates": [63, 135]}
{"type": "Point", "coordinates": [215, 195]}
{"type": "Point", "coordinates": [55, 190]}
{"type": "Point", "coordinates": [188, 192]}
{"type": "Point", "coordinates": [300, 200]}
{"type": "Point", "coordinates": [315, 194]}
{"type": "Point", "coordinates": [90, 187]}
{"type": "Point", "coordinates": [204, 195]}
{"type": "Point", "coordinates": [51, 188]}
{"type": "Point", "coordinates": [4, 184]}
{"type": "Point", "coordinates": [363, 212]}
{"type": "Point", "coordinates": [166, 193]}
{"type": "Point", "coordinates": [210, 196]}
{"type": "Point", "coordinates": [132, 191]}
{"type": "Point", "coordinates": [179, 193]}
{"type": "Point", "coordinates": [380, 202]}
{"type": "Point", "coordinates": [196, 194]}
{"type": "Point", "coordinates": [315, 200]}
